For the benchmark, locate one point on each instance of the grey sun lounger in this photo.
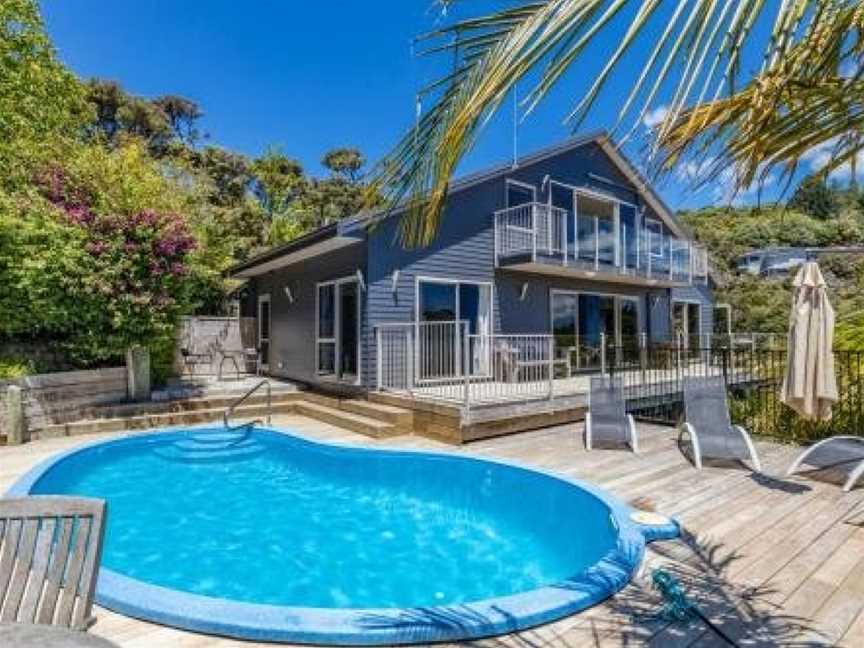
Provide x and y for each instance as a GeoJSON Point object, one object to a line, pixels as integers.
{"type": "Point", "coordinates": [709, 426]}
{"type": "Point", "coordinates": [50, 548]}
{"type": "Point", "coordinates": [841, 453]}
{"type": "Point", "coordinates": [607, 419]}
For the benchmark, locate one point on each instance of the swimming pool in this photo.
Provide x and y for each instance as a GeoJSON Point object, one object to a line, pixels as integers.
{"type": "Point", "coordinates": [262, 534]}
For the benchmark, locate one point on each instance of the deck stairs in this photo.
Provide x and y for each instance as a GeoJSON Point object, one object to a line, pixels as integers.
{"type": "Point", "coordinates": [377, 420]}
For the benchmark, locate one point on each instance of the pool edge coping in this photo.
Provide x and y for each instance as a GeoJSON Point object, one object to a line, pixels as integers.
{"type": "Point", "coordinates": [371, 626]}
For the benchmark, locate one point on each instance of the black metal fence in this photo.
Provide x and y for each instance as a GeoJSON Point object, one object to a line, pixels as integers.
{"type": "Point", "coordinates": [653, 376]}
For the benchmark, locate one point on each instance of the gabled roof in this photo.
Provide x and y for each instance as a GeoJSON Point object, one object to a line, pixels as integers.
{"type": "Point", "coordinates": [359, 221]}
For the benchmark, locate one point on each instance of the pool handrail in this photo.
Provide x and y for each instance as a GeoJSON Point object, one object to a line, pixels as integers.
{"type": "Point", "coordinates": [229, 411]}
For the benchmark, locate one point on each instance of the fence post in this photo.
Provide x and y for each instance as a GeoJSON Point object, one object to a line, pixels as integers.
{"type": "Point", "coordinates": [379, 357]}
{"type": "Point", "coordinates": [643, 354]}
{"type": "Point", "coordinates": [724, 364]}
{"type": "Point", "coordinates": [16, 427]}
{"type": "Point", "coordinates": [412, 358]}
{"type": "Point", "coordinates": [138, 373]}
{"type": "Point", "coordinates": [603, 354]}
{"type": "Point", "coordinates": [551, 352]}
{"type": "Point", "coordinates": [466, 369]}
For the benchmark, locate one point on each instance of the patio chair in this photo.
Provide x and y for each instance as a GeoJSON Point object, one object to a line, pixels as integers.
{"type": "Point", "coordinates": [840, 453]}
{"type": "Point", "coordinates": [607, 419]}
{"type": "Point", "coordinates": [709, 426]}
{"type": "Point", "coordinates": [50, 548]}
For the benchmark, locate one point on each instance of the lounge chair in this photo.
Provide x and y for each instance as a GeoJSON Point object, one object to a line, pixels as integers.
{"type": "Point", "coordinates": [709, 426]}
{"type": "Point", "coordinates": [607, 419]}
{"type": "Point", "coordinates": [842, 453]}
{"type": "Point", "coordinates": [50, 548]}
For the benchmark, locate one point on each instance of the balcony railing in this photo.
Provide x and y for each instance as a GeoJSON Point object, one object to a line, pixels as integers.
{"type": "Point", "coordinates": [540, 233]}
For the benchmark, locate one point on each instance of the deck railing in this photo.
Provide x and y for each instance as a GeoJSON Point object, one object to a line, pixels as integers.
{"type": "Point", "coordinates": [538, 232]}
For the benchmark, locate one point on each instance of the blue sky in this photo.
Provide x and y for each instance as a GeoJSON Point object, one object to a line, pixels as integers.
{"type": "Point", "coordinates": [303, 76]}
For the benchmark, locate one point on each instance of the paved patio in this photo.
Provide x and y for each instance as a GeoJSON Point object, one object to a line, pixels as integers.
{"type": "Point", "coordinates": [772, 562]}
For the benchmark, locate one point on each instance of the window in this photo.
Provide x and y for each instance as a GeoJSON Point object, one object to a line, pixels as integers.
{"type": "Point", "coordinates": [520, 193]}
{"type": "Point", "coordinates": [722, 319]}
{"type": "Point", "coordinates": [452, 301]}
{"type": "Point", "coordinates": [687, 322]}
{"type": "Point", "coordinates": [326, 341]}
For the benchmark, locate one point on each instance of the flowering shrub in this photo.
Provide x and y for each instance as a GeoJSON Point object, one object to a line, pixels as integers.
{"type": "Point", "coordinates": [130, 283]}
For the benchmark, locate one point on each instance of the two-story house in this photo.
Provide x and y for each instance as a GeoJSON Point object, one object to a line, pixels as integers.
{"type": "Point", "coordinates": [538, 269]}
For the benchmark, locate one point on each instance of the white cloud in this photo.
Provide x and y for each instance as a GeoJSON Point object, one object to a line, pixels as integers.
{"type": "Point", "coordinates": [654, 118]}
{"type": "Point", "coordinates": [818, 157]}
{"type": "Point", "coordinates": [722, 188]}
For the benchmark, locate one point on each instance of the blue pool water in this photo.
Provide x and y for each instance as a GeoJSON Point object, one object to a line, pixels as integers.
{"type": "Point", "coordinates": [258, 519]}
{"type": "Point", "coordinates": [265, 535]}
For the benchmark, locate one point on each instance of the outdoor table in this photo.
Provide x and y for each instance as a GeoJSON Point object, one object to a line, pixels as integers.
{"type": "Point", "coordinates": [21, 635]}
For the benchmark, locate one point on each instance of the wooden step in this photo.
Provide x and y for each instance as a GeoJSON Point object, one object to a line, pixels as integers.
{"type": "Point", "coordinates": [397, 416]}
{"type": "Point", "coordinates": [163, 419]}
{"type": "Point", "coordinates": [348, 420]}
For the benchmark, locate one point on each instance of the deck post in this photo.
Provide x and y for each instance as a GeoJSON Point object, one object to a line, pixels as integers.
{"type": "Point", "coordinates": [533, 232]}
{"type": "Point", "coordinates": [379, 358]}
{"type": "Point", "coordinates": [16, 425]}
{"type": "Point", "coordinates": [551, 352]}
{"type": "Point", "coordinates": [466, 368]}
{"type": "Point", "coordinates": [603, 354]}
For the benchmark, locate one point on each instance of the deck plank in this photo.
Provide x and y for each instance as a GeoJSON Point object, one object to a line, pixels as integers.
{"type": "Point", "coordinates": [769, 560]}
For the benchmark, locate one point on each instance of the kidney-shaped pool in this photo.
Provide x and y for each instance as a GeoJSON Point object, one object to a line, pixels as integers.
{"type": "Point", "coordinates": [262, 534]}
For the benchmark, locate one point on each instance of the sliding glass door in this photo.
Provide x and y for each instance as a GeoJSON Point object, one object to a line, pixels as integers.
{"type": "Point", "coordinates": [580, 321]}
{"type": "Point", "coordinates": [445, 308]}
{"type": "Point", "coordinates": [338, 330]}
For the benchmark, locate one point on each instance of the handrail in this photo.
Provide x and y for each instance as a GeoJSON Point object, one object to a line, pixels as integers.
{"type": "Point", "coordinates": [230, 409]}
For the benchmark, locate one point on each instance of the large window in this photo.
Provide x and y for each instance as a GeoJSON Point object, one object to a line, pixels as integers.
{"type": "Point", "coordinates": [456, 301]}
{"type": "Point", "coordinates": [581, 320]}
{"type": "Point", "coordinates": [443, 309]}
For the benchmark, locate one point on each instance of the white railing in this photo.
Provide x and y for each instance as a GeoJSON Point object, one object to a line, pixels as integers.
{"type": "Point", "coordinates": [540, 232]}
{"type": "Point", "coordinates": [442, 361]}
{"type": "Point", "coordinates": [533, 229]}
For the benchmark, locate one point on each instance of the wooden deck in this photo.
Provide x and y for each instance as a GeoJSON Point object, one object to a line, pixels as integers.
{"type": "Point", "coordinates": [771, 561]}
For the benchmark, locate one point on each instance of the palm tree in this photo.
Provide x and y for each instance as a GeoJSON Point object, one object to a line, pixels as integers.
{"type": "Point", "coordinates": [808, 92]}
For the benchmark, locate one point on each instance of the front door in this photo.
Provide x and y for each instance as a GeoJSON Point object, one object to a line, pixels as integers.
{"type": "Point", "coordinates": [264, 332]}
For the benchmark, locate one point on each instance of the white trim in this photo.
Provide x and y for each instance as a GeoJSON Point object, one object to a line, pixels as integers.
{"type": "Point", "coordinates": [521, 185]}
{"type": "Point", "coordinates": [336, 340]}
{"type": "Point", "coordinates": [265, 298]}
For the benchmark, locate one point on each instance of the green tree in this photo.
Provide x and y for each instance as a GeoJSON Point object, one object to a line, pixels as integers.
{"type": "Point", "coordinates": [42, 104]}
{"type": "Point", "coordinates": [345, 163]}
{"type": "Point", "coordinates": [279, 181]}
{"type": "Point", "coordinates": [182, 115]}
{"type": "Point", "coordinates": [813, 197]}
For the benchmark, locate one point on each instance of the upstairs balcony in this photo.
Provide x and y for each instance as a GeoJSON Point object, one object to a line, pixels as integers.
{"type": "Point", "coordinates": [615, 246]}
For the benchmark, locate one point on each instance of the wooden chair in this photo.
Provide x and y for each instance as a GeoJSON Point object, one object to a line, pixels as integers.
{"type": "Point", "coordinates": [50, 549]}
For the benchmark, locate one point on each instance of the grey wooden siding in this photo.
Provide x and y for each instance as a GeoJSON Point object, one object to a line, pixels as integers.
{"type": "Point", "coordinates": [464, 250]}
{"type": "Point", "coordinates": [292, 325]}
{"type": "Point", "coordinates": [703, 295]}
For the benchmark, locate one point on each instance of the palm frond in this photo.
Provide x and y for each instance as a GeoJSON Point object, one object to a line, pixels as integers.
{"type": "Point", "coordinates": [698, 54]}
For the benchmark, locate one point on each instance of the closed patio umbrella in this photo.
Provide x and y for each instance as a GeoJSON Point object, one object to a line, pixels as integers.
{"type": "Point", "coordinates": [809, 385]}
